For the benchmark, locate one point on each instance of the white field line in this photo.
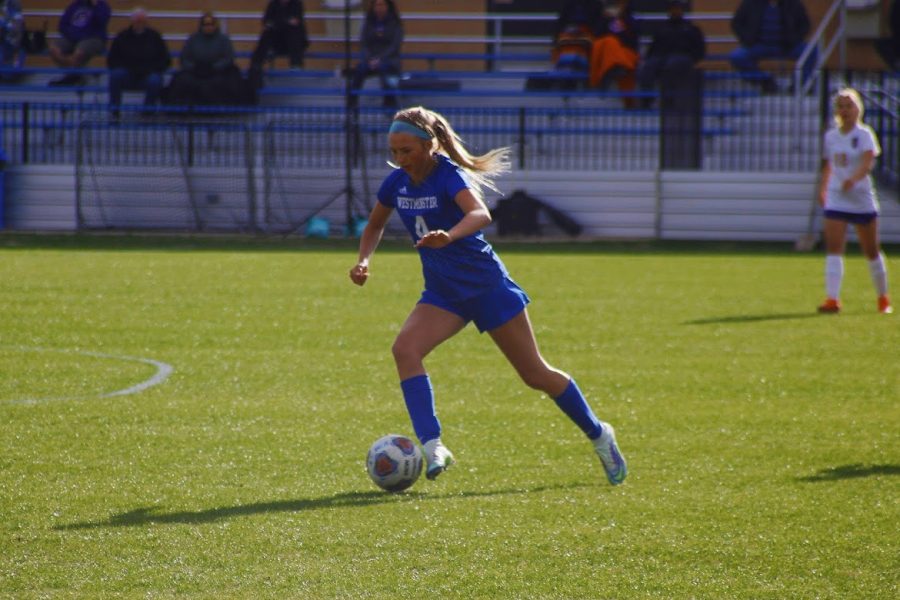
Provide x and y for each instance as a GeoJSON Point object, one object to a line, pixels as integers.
{"type": "Point", "coordinates": [163, 371]}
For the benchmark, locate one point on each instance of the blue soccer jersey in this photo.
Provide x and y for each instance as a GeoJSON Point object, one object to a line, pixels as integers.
{"type": "Point", "coordinates": [466, 267]}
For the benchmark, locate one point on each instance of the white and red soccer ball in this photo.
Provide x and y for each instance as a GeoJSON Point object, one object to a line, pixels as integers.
{"type": "Point", "coordinates": [394, 462]}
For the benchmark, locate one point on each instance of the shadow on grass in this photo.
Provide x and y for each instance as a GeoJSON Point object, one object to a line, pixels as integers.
{"type": "Point", "coordinates": [755, 318]}
{"type": "Point", "coordinates": [151, 514]}
{"type": "Point", "coordinates": [852, 472]}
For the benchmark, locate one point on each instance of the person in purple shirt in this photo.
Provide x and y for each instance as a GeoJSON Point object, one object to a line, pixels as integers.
{"type": "Point", "coordinates": [82, 29]}
{"type": "Point", "coordinates": [436, 191]}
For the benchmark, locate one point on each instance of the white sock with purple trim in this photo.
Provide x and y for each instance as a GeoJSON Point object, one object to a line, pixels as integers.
{"type": "Point", "coordinates": [834, 275]}
{"type": "Point", "coordinates": [878, 270]}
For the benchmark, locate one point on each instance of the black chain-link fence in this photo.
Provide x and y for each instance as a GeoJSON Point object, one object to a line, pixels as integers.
{"type": "Point", "coordinates": [731, 126]}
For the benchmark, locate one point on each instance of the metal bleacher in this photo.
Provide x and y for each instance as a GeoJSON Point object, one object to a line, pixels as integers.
{"type": "Point", "coordinates": [271, 166]}
{"type": "Point", "coordinates": [484, 70]}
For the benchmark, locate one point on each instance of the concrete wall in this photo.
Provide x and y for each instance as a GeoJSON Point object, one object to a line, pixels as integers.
{"type": "Point", "coordinates": [628, 205]}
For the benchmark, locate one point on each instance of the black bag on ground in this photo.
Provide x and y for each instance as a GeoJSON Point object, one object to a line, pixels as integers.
{"type": "Point", "coordinates": [518, 215]}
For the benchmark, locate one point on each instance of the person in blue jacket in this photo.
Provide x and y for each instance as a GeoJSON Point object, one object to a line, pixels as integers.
{"type": "Point", "coordinates": [436, 191]}
{"type": "Point", "coordinates": [83, 34]}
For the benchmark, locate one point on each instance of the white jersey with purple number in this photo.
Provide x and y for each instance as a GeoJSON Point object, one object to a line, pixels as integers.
{"type": "Point", "coordinates": [844, 152]}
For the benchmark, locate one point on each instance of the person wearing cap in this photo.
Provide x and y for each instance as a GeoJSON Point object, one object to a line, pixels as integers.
{"type": "Point", "coordinates": [676, 47]}
{"type": "Point", "coordinates": [137, 60]}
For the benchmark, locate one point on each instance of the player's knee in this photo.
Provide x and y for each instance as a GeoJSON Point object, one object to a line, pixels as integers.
{"type": "Point", "coordinates": [405, 352]}
{"type": "Point", "coordinates": [536, 379]}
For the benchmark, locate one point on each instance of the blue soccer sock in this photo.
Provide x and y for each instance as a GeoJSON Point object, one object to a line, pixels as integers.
{"type": "Point", "coordinates": [572, 402]}
{"type": "Point", "coordinates": [419, 397]}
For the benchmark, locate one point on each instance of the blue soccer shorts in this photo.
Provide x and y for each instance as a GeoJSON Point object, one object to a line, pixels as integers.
{"type": "Point", "coordinates": [489, 310]}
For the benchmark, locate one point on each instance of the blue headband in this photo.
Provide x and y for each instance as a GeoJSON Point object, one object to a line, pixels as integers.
{"type": "Point", "coordinates": [404, 127]}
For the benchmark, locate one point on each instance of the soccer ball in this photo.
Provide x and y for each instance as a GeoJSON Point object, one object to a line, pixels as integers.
{"type": "Point", "coordinates": [394, 462]}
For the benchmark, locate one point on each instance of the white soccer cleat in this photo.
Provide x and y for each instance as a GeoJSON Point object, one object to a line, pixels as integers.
{"type": "Point", "coordinates": [438, 457]}
{"type": "Point", "coordinates": [612, 460]}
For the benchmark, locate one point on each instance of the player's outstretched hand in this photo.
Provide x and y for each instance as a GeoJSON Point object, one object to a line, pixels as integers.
{"type": "Point", "coordinates": [359, 273]}
{"type": "Point", "coordinates": [434, 239]}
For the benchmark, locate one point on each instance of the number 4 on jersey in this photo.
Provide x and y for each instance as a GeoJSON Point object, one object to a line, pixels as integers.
{"type": "Point", "coordinates": [421, 227]}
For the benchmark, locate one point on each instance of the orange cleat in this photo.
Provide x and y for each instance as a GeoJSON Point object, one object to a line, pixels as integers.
{"type": "Point", "coordinates": [831, 306]}
{"type": "Point", "coordinates": [884, 305]}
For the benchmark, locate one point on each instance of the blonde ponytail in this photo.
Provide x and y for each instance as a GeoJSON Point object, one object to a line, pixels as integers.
{"type": "Point", "coordinates": [482, 169]}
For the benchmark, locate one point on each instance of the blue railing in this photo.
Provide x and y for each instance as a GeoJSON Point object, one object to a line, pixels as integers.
{"type": "Point", "coordinates": [883, 115]}
{"type": "Point", "coordinates": [542, 137]}
{"type": "Point", "coordinates": [738, 129]}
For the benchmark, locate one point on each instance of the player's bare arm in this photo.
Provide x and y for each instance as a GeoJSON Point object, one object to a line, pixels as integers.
{"type": "Point", "coordinates": [477, 216]}
{"type": "Point", "coordinates": [371, 236]}
{"type": "Point", "coordinates": [865, 167]}
{"type": "Point", "coordinates": [823, 182]}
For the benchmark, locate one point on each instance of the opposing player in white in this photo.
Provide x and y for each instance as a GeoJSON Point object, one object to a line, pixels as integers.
{"type": "Point", "coordinates": [848, 196]}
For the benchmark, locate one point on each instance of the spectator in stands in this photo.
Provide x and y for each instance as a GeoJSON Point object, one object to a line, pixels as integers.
{"type": "Point", "coordinates": [12, 26]}
{"type": "Point", "coordinates": [677, 46]}
{"type": "Point", "coordinates": [578, 25]}
{"type": "Point", "coordinates": [380, 41]}
{"type": "Point", "coordinates": [137, 59]}
{"type": "Point", "coordinates": [889, 48]}
{"type": "Point", "coordinates": [581, 14]}
{"type": "Point", "coordinates": [614, 56]}
{"type": "Point", "coordinates": [769, 29]}
{"type": "Point", "coordinates": [848, 196]}
{"type": "Point", "coordinates": [82, 28]}
{"type": "Point", "coordinates": [208, 74]}
{"type": "Point", "coordinates": [284, 32]}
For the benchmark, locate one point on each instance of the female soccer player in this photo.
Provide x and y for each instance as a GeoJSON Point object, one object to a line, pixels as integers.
{"type": "Point", "coordinates": [436, 190]}
{"type": "Point", "coordinates": [848, 196]}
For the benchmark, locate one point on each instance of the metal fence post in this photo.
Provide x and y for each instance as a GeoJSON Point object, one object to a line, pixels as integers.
{"type": "Point", "coordinates": [521, 138]}
{"type": "Point", "coordinates": [26, 109]}
{"type": "Point", "coordinates": [250, 158]}
{"type": "Point", "coordinates": [190, 144]}
{"type": "Point", "coordinates": [79, 165]}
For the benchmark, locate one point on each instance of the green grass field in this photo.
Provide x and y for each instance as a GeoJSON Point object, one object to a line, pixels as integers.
{"type": "Point", "coordinates": [762, 439]}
